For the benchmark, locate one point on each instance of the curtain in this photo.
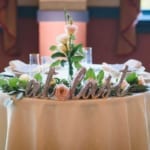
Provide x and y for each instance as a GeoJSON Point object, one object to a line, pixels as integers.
{"type": "Point", "coordinates": [129, 10]}
{"type": "Point", "coordinates": [8, 25]}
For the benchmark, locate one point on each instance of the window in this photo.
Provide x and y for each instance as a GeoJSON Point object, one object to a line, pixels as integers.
{"type": "Point", "coordinates": [145, 10]}
{"type": "Point", "coordinates": [144, 17]}
{"type": "Point", "coordinates": [145, 5]}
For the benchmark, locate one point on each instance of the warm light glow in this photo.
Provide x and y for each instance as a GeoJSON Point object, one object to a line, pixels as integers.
{"type": "Point", "coordinates": [48, 31]}
{"type": "Point", "coordinates": [145, 4]}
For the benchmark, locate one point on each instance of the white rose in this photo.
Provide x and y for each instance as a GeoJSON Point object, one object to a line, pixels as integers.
{"type": "Point", "coordinates": [62, 47]}
{"type": "Point", "coordinates": [63, 38]}
{"type": "Point", "coordinates": [71, 29]}
{"type": "Point", "coordinates": [24, 77]}
{"type": "Point", "coordinates": [141, 80]}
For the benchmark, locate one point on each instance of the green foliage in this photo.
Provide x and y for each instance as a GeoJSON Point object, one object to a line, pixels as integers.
{"type": "Point", "coordinates": [77, 65]}
{"type": "Point", "coordinates": [56, 63]}
{"type": "Point", "coordinates": [3, 82]}
{"type": "Point", "coordinates": [19, 95]}
{"type": "Point", "coordinates": [61, 81]}
{"type": "Point", "coordinates": [58, 54]}
{"type": "Point", "coordinates": [63, 62]}
{"type": "Point", "coordinates": [13, 86]}
{"type": "Point", "coordinates": [53, 48]}
{"type": "Point", "coordinates": [72, 37]}
{"type": "Point", "coordinates": [38, 77]}
{"type": "Point", "coordinates": [135, 88]}
{"type": "Point", "coordinates": [100, 77]}
{"type": "Point", "coordinates": [90, 74]}
{"type": "Point", "coordinates": [65, 82]}
{"type": "Point", "coordinates": [13, 83]}
{"type": "Point", "coordinates": [75, 50]}
{"type": "Point", "coordinates": [77, 58]}
{"type": "Point", "coordinates": [23, 84]}
{"type": "Point", "coordinates": [132, 78]}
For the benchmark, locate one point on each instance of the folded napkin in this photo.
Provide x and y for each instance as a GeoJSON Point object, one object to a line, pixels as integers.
{"type": "Point", "coordinates": [17, 65]}
{"type": "Point", "coordinates": [20, 67]}
{"type": "Point", "coordinates": [133, 64]}
{"type": "Point", "coordinates": [110, 69]}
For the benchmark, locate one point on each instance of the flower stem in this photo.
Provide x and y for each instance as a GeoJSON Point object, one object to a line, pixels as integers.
{"type": "Point", "coordinates": [70, 69]}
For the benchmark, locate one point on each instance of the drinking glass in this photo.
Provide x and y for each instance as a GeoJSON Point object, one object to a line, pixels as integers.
{"type": "Point", "coordinates": [88, 55]}
{"type": "Point", "coordinates": [34, 61]}
{"type": "Point", "coordinates": [45, 63]}
{"type": "Point", "coordinates": [45, 60]}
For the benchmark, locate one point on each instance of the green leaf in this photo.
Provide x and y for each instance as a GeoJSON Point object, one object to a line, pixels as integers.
{"type": "Point", "coordinates": [57, 80]}
{"type": "Point", "coordinates": [77, 58]}
{"type": "Point", "coordinates": [21, 90]}
{"type": "Point", "coordinates": [58, 54]}
{"type": "Point", "coordinates": [13, 83]}
{"type": "Point", "coordinates": [132, 78]}
{"type": "Point", "coordinates": [75, 49]}
{"type": "Point", "coordinates": [23, 83]}
{"type": "Point", "coordinates": [77, 65]}
{"type": "Point", "coordinates": [90, 74]}
{"type": "Point", "coordinates": [38, 77]}
{"type": "Point", "coordinates": [63, 63]}
{"type": "Point", "coordinates": [72, 37]}
{"type": "Point", "coordinates": [12, 92]}
{"type": "Point", "coordinates": [135, 88]}
{"type": "Point", "coordinates": [3, 82]}
{"type": "Point", "coordinates": [100, 77]}
{"type": "Point", "coordinates": [81, 52]}
{"type": "Point", "coordinates": [56, 63]}
{"type": "Point", "coordinates": [65, 82]}
{"type": "Point", "coordinates": [53, 48]}
{"type": "Point", "coordinates": [19, 95]}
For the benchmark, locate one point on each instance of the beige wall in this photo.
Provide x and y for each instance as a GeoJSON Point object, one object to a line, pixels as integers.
{"type": "Point", "coordinates": [109, 3]}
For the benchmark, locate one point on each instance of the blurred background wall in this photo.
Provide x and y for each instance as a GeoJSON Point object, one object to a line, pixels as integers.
{"type": "Point", "coordinates": [101, 33]}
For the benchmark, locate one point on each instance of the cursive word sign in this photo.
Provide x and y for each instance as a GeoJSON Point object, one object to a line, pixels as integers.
{"type": "Point", "coordinates": [90, 90]}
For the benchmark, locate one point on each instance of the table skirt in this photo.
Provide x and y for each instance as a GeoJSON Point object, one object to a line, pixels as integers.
{"type": "Point", "coordinates": [121, 123]}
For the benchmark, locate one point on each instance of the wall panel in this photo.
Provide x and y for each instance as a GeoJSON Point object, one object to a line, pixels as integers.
{"type": "Point", "coordinates": [62, 4]}
{"type": "Point", "coordinates": [27, 2]}
{"type": "Point", "coordinates": [105, 3]}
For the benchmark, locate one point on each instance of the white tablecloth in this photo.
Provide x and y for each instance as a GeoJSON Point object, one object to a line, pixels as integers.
{"type": "Point", "coordinates": [106, 124]}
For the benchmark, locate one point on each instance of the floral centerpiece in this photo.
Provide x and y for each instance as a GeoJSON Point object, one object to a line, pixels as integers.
{"type": "Point", "coordinates": [85, 85]}
{"type": "Point", "coordinates": [66, 51]}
